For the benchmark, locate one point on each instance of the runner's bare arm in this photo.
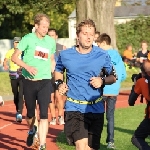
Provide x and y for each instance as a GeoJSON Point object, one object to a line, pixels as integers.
{"type": "Point", "coordinates": [58, 75]}
{"type": "Point", "coordinates": [53, 63]}
{"type": "Point", "coordinates": [5, 64]}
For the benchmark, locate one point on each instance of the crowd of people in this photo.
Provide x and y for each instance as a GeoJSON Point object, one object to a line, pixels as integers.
{"type": "Point", "coordinates": [135, 59]}
{"type": "Point", "coordinates": [81, 82]}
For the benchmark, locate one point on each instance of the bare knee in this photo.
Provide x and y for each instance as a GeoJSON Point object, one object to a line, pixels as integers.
{"type": "Point", "coordinates": [81, 144]}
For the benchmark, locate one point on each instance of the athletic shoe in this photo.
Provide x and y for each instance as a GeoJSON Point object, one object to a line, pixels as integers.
{"type": "Point", "coordinates": [31, 135]}
{"type": "Point", "coordinates": [61, 120]}
{"type": "Point", "coordinates": [111, 145]}
{"type": "Point", "coordinates": [18, 117]}
{"type": "Point", "coordinates": [1, 101]}
{"type": "Point", "coordinates": [42, 147]}
{"type": "Point", "coordinates": [53, 121]}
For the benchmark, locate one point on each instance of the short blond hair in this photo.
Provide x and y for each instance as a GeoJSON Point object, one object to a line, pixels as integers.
{"type": "Point", "coordinates": [39, 17]}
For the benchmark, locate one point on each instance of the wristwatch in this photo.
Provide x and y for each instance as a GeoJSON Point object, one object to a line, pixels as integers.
{"type": "Point", "coordinates": [58, 82]}
{"type": "Point", "coordinates": [103, 79]}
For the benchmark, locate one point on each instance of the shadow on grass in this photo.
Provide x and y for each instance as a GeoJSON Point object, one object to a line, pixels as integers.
{"type": "Point", "coordinates": [128, 131]}
{"type": "Point", "coordinates": [62, 143]}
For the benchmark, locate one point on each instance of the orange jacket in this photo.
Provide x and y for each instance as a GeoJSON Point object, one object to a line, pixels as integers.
{"type": "Point", "coordinates": [128, 54]}
{"type": "Point", "coordinates": [141, 87]}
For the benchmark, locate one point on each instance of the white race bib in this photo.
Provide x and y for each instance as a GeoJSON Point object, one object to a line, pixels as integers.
{"type": "Point", "coordinates": [41, 53]}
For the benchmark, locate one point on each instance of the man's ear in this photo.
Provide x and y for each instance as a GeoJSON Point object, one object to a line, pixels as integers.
{"type": "Point", "coordinates": [77, 38]}
{"type": "Point", "coordinates": [36, 26]}
{"type": "Point", "coordinates": [104, 43]}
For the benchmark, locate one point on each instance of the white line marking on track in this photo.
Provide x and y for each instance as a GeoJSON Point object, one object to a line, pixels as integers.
{"type": "Point", "coordinates": [6, 125]}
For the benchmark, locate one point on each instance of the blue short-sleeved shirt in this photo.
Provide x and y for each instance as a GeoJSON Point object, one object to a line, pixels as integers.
{"type": "Point", "coordinates": [80, 68]}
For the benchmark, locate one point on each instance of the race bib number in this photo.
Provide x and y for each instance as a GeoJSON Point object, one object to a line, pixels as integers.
{"type": "Point", "coordinates": [41, 53]}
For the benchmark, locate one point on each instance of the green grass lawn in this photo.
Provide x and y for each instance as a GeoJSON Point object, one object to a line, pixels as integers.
{"type": "Point", "coordinates": [5, 87]}
{"type": "Point", "coordinates": [126, 121]}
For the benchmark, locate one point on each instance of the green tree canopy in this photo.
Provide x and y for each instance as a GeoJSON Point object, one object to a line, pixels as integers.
{"type": "Point", "coordinates": [16, 16]}
{"type": "Point", "coordinates": [133, 32]}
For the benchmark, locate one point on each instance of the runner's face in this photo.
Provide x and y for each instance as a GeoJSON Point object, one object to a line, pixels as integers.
{"type": "Point", "coordinates": [96, 36]}
{"type": "Point", "coordinates": [130, 48]}
{"type": "Point", "coordinates": [86, 37]}
{"type": "Point", "coordinates": [52, 34]}
{"type": "Point", "coordinates": [144, 46]}
{"type": "Point", "coordinates": [15, 44]}
{"type": "Point", "coordinates": [42, 27]}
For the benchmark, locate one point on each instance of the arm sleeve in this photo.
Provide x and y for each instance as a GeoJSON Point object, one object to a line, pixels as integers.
{"type": "Point", "coordinates": [108, 65]}
{"type": "Point", "coordinates": [137, 88]}
{"type": "Point", "coordinates": [132, 97]}
{"type": "Point", "coordinates": [135, 92]}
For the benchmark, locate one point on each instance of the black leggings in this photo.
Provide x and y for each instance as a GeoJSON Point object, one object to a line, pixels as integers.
{"type": "Point", "coordinates": [37, 90]}
{"type": "Point", "coordinates": [17, 89]}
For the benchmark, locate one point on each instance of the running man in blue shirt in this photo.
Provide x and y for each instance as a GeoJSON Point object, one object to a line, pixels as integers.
{"type": "Point", "coordinates": [84, 110]}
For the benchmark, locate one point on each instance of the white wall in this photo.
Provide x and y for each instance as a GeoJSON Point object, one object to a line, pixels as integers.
{"type": "Point", "coordinates": [5, 45]}
{"type": "Point", "coordinates": [66, 41]}
{"type": "Point", "coordinates": [72, 28]}
{"type": "Point", "coordinates": [122, 20]}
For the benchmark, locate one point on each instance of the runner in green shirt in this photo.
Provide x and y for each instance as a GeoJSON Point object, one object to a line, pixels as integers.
{"type": "Point", "coordinates": [37, 64]}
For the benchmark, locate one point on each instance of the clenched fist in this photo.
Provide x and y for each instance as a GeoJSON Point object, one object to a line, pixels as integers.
{"type": "Point", "coordinates": [96, 82]}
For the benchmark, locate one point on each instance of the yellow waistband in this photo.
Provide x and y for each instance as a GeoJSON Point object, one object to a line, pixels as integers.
{"type": "Point", "coordinates": [84, 102]}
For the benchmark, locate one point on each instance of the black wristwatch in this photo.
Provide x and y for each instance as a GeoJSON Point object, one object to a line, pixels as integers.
{"type": "Point", "coordinates": [57, 83]}
{"type": "Point", "coordinates": [103, 79]}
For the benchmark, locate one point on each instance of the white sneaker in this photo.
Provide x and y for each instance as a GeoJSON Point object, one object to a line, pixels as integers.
{"type": "Point", "coordinates": [53, 121]}
{"type": "Point", "coordinates": [111, 145]}
{"type": "Point", "coordinates": [61, 120]}
{"type": "Point", "coordinates": [1, 101]}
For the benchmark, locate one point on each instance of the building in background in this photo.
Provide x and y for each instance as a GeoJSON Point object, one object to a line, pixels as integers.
{"type": "Point", "coordinates": [125, 10]}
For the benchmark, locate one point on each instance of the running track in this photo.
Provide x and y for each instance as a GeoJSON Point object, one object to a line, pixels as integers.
{"type": "Point", "coordinates": [13, 135]}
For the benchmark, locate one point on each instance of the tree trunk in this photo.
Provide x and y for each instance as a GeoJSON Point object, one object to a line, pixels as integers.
{"type": "Point", "coordinates": [101, 12]}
